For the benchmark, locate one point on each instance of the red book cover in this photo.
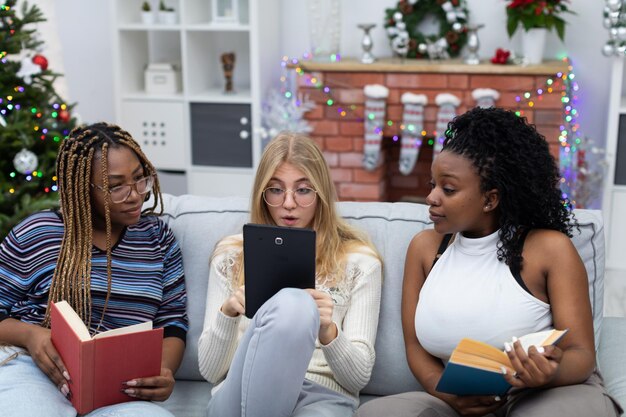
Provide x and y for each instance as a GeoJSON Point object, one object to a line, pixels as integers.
{"type": "Point", "coordinates": [98, 366]}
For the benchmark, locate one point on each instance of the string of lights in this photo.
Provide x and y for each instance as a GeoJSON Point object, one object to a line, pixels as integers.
{"type": "Point", "coordinates": [571, 157]}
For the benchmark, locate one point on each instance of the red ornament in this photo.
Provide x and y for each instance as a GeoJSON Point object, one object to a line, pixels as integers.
{"type": "Point", "coordinates": [64, 116]}
{"type": "Point", "coordinates": [41, 60]}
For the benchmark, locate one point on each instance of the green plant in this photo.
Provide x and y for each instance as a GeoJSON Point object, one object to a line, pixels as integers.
{"type": "Point", "coordinates": [164, 8]}
{"type": "Point", "coordinates": [537, 14]}
{"type": "Point", "coordinates": [146, 6]}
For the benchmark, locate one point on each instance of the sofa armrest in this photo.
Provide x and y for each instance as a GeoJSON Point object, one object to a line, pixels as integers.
{"type": "Point", "coordinates": [612, 356]}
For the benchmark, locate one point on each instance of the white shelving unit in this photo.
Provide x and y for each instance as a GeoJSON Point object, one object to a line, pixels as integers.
{"type": "Point", "coordinates": [614, 195]}
{"type": "Point", "coordinates": [200, 138]}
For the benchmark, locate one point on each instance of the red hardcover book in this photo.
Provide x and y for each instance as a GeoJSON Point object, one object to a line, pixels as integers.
{"type": "Point", "coordinates": [99, 365]}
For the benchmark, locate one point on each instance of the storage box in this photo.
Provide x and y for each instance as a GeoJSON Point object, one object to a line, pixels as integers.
{"type": "Point", "coordinates": [162, 78]}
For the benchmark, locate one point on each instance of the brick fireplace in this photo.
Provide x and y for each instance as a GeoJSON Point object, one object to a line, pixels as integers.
{"type": "Point", "coordinates": [339, 128]}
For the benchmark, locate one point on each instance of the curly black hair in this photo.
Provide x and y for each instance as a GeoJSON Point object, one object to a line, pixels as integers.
{"type": "Point", "coordinates": [513, 158]}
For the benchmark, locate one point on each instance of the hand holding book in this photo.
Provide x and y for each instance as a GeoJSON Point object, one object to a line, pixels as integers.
{"type": "Point", "coordinates": [476, 368]}
{"type": "Point", "coordinates": [100, 365]}
{"type": "Point", "coordinates": [535, 362]}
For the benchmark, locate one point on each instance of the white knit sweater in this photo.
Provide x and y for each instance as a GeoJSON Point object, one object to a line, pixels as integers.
{"type": "Point", "coordinates": [344, 365]}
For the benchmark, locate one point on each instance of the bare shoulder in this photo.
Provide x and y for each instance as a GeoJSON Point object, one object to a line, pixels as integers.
{"type": "Point", "coordinates": [550, 245]}
{"type": "Point", "coordinates": [423, 247]}
{"type": "Point", "coordinates": [548, 240]}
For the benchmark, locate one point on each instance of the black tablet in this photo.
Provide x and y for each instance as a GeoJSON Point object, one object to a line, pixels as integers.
{"type": "Point", "coordinates": [275, 258]}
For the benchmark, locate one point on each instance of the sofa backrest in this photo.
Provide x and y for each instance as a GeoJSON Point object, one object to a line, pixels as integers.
{"type": "Point", "coordinates": [200, 222]}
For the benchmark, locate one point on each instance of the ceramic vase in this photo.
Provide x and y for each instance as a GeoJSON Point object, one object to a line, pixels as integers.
{"type": "Point", "coordinates": [533, 45]}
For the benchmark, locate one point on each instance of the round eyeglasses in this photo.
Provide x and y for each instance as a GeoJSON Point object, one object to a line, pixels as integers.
{"type": "Point", "coordinates": [303, 196]}
{"type": "Point", "coordinates": [120, 193]}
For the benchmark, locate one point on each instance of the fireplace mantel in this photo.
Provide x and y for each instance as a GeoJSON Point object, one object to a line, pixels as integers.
{"type": "Point", "coordinates": [338, 127]}
{"type": "Point", "coordinates": [451, 66]}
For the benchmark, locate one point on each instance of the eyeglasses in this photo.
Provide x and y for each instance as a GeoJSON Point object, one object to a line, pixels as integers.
{"type": "Point", "coordinates": [303, 196]}
{"type": "Point", "coordinates": [120, 193]}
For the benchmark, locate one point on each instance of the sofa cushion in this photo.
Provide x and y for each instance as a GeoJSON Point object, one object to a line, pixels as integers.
{"type": "Point", "coordinates": [198, 224]}
{"type": "Point", "coordinates": [589, 241]}
{"type": "Point", "coordinates": [391, 226]}
{"type": "Point", "coordinates": [612, 356]}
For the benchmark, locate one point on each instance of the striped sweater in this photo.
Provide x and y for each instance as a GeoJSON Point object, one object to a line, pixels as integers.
{"type": "Point", "coordinates": [148, 278]}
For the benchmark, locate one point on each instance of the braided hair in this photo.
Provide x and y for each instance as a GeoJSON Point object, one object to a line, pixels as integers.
{"type": "Point", "coordinates": [71, 279]}
{"type": "Point", "coordinates": [513, 158]}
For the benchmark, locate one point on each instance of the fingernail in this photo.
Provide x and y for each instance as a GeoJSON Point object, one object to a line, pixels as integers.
{"type": "Point", "coordinates": [507, 346]}
{"type": "Point", "coordinates": [540, 349]}
{"type": "Point", "coordinates": [515, 339]}
{"type": "Point", "coordinates": [497, 398]}
{"type": "Point", "coordinates": [131, 383]}
{"type": "Point", "coordinates": [503, 369]}
{"type": "Point", "coordinates": [65, 390]}
{"type": "Point", "coordinates": [66, 375]}
{"type": "Point", "coordinates": [129, 391]}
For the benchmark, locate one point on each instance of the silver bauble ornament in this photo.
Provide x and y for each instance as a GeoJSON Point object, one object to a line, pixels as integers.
{"type": "Point", "coordinates": [457, 27]}
{"type": "Point", "coordinates": [422, 48]}
{"type": "Point", "coordinates": [608, 49]}
{"type": "Point", "coordinates": [25, 162]}
{"type": "Point", "coordinates": [614, 5]}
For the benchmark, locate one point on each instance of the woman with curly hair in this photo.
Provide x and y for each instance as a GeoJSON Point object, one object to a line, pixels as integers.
{"type": "Point", "coordinates": [510, 269]}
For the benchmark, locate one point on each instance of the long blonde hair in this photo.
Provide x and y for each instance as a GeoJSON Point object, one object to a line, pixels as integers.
{"type": "Point", "coordinates": [72, 276]}
{"type": "Point", "coordinates": [335, 237]}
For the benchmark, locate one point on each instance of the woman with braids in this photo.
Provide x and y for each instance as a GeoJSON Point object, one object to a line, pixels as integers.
{"type": "Point", "coordinates": [305, 352]}
{"type": "Point", "coordinates": [114, 263]}
{"type": "Point", "coordinates": [510, 269]}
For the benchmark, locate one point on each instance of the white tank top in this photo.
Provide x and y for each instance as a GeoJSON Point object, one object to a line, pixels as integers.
{"type": "Point", "coordinates": [469, 293]}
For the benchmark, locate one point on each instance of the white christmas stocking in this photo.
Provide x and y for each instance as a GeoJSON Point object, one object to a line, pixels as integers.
{"type": "Point", "coordinates": [485, 97]}
{"type": "Point", "coordinates": [447, 111]}
{"type": "Point", "coordinates": [413, 122]}
{"type": "Point", "coordinates": [374, 117]}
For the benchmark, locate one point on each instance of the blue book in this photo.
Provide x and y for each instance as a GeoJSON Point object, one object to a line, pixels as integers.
{"type": "Point", "coordinates": [475, 368]}
{"type": "Point", "coordinates": [468, 380]}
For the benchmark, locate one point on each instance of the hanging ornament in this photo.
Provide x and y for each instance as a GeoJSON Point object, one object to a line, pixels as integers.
{"type": "Point", "coordinates": [41, 60]}
{"type": "Point", "coordinates": [64, 116]}
{"type": "Point", "coordinates": [25, 161]}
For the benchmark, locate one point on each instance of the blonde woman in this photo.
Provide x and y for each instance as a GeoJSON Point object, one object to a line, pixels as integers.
{"type": "Point", "coordinates": [114, 262]}
{"type": "Point", "coordinates": [305, 352]}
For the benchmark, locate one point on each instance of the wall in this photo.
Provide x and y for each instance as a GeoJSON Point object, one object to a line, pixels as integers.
{"type": "Point", "coordinates": [85, 33]}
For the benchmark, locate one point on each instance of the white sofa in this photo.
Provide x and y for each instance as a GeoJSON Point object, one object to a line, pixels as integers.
{"type": "Point", "coordinates": [199, 222]}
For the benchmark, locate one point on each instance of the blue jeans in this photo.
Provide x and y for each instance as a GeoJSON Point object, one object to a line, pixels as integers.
{"type": "Point", "coordinates": [266, 376]}
{"type": "Point", "coordinates": [26, 391]}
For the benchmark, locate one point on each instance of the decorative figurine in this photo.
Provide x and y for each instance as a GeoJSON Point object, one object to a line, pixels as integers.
{"type": "Point", "coordinates": [367, 43]}
{"type": "Point", "coordinates": [472, 45]}
{"type": "Point", "coordinates": [228, 65]}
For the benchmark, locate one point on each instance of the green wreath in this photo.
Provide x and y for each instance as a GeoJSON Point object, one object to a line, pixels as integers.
{"type": "Point", "coordinates": [451, 14]}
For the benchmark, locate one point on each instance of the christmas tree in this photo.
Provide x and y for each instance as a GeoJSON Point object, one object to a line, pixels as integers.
{"type": "Point", "coordinates": [33, 118]}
